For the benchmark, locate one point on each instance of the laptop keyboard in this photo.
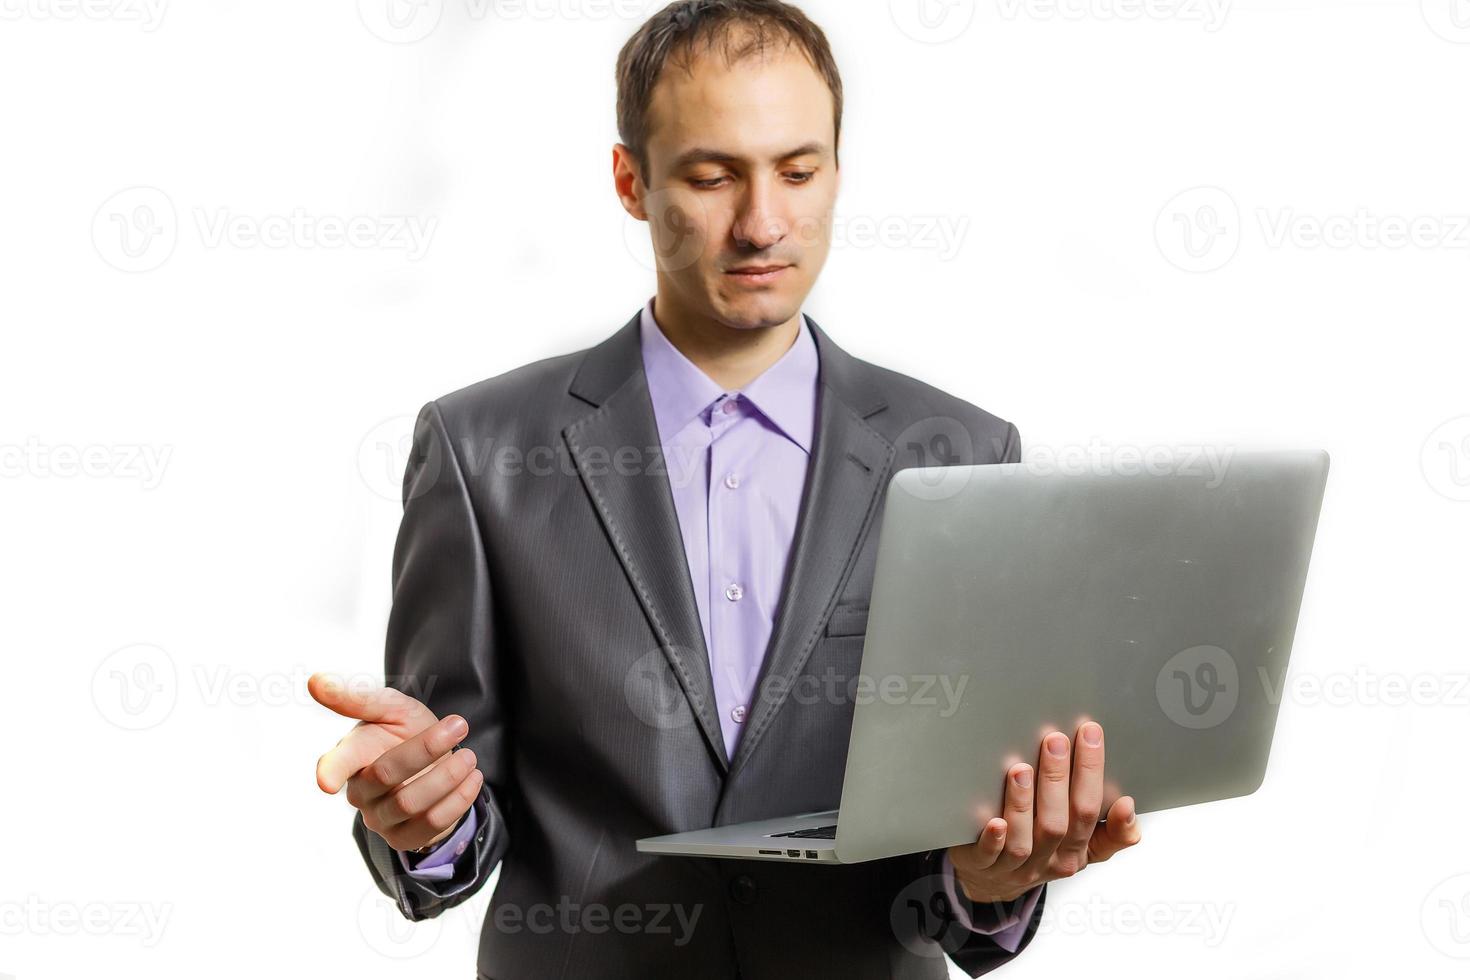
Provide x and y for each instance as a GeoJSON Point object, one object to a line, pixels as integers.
{"type": "Point", "coordinates": [815, 833]}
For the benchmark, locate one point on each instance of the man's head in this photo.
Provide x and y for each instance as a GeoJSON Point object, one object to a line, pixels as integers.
{"type": "Point", "coordinates": [729, 113]}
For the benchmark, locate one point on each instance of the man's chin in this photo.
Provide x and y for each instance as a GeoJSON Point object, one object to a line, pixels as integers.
{"type": "Point", "coordinates": [754, 312]}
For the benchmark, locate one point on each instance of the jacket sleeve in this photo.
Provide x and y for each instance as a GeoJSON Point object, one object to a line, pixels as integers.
{"type": "Point", "coordinates": [442, 649]}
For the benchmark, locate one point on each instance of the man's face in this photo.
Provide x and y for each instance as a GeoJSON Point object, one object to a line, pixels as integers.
{"type": "Point", "coordinates": [742, 176]}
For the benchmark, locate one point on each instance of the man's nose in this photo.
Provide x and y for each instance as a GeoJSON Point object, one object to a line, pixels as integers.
{"type": "Point", "coordinates": [759, 225]}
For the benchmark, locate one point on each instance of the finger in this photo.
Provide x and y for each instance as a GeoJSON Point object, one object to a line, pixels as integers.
{"type": "Point", "coordinates": [987, 847]}
{"type": "Point", "coordinates": [357, 749]}
{"type": "Point", "coordinates": [1085, 795]}
{"type": "Point", "coordinates": [413, 756]}
{"type": "Point", "coordinates": [377, 704]}
{"type": "Point", "coordinates": [1053, 774]}
{"type": "Point", "coordinates": [440, 817]}
{"type": "Point", "coordinates": [1121, 830]}
{"type": "Point", "coordinates": [416, 798]}
{"type": "Point", "coordinates": [1017, 812]}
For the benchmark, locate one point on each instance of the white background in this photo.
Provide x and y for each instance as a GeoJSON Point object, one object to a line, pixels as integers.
{"type": "Point", "coordinates": [1174, 225]}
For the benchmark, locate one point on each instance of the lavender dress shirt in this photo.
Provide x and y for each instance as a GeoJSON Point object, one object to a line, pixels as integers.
{"type": "Point", "coordinates": [737, 466]}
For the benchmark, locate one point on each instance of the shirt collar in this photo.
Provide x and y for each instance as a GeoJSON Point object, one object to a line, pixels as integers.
{"type": "Point", "coordinates": [785, 393]}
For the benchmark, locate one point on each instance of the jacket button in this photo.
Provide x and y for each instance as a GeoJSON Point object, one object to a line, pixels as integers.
{"type": "Point", "coordinates": [742, 889]}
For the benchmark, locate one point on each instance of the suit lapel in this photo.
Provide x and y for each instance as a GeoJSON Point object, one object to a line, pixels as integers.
{"type": "Point", "coordinates": [846, 475]}
{"type": "Point", "coordinates": [637, 511]}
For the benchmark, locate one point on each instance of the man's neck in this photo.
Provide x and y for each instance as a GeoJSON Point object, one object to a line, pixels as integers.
{"type": "Point", "coordinates": [731, 357]}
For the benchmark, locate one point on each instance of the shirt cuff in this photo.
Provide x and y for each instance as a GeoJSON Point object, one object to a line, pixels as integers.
{"type": "Point", "coordinates": [1004, 922]}
{"type": "Point", "coordinates": [438, 864]}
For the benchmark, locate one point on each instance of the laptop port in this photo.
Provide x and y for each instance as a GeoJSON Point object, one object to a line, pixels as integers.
{"type": "Point", "coordinates": [793, 854]}
{"type": "Point", "coordinates": [777, 853]}
{"type": "Point", "coordinates": [811, 855]}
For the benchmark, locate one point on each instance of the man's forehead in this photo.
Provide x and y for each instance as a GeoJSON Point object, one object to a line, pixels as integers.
{"type": "Point", "coordinates": [757, 109]}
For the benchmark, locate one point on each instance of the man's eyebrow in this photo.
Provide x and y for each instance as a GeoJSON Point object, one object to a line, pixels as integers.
{"type": "Point", "coordinates": [700, 154]}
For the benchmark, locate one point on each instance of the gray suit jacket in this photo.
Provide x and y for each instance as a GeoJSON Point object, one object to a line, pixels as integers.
{"type": "Point", "coordinates": [540, 590]}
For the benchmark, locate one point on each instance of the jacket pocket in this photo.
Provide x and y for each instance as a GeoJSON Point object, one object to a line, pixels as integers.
{"type": "Point", "coordinates": [848, 620]}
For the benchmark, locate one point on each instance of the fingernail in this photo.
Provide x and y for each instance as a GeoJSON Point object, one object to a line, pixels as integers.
{"type": "Point", "coordinates": [1023, 778]}
{"type": "Point", "coordinates": [1092, 733]}
{"type": "Point", "coordinates": [1056, 743]}
{"type": "Point", "coordinates": [458, 727]}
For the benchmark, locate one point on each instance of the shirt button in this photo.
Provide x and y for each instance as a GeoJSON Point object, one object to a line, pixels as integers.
{"type": "Point", "coordinates": [460, 849]}
{"type": "Point", "coordinates": [730, 407]}
{"type": "Point", "coordinates": [737, 714]}
{"type": "Point", "coordinates": [732, 481]}
{"type": "Point", "coordinates": [734, 592]}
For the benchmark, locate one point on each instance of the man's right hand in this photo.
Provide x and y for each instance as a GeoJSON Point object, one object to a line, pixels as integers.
{"type": "Point", "coordinates": [398, 764]}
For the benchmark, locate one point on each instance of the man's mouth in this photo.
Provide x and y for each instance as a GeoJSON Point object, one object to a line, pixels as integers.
{"type": "Point", "coordinates": [757, 275]}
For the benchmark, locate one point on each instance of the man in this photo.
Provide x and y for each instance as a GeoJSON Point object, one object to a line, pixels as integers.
{"type": "Point", "coordinates": [615, 565]}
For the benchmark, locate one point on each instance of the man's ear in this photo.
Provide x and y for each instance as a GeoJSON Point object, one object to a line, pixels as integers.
{"type": "Point", "coordinates": [628, 182]}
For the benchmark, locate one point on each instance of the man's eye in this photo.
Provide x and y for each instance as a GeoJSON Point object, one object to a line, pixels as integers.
{"type": "Point", "coordinates": [802, 178]}
{"type": "Point", "coordinates": [708, 183]}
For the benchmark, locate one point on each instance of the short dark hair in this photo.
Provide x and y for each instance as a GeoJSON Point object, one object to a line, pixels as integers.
{"type": "Point", "coordinates": [675, 32]}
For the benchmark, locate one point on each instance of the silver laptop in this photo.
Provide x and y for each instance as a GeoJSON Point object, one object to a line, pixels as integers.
{"type": "Point", "coordinates": [1160, 601]}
